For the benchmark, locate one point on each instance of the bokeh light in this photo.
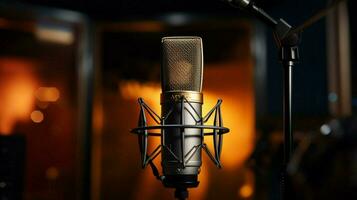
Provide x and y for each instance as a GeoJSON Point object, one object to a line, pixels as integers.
{"type": "Point", "coordinates": [37, 116]}
{"type": "Point", "coordinates": [47, 94]}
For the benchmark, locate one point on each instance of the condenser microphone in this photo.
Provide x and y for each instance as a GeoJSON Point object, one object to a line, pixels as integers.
{"type": "Point", "coordinates": [181, 125]}
{"type": "Point", "coordinates": [181, 78]}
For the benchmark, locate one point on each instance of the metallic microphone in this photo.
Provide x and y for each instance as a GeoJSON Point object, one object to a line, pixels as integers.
{"type": "Point", "coordinates": [181, 124]}
{"type": "Point", "coordinates": [181, 78]}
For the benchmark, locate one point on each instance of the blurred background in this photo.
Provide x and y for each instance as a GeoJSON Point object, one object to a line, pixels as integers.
{"type": "Point", "coordinates": [71, 73]}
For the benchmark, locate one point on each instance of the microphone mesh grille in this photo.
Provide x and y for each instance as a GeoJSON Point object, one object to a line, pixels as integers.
{"type": "Point", "coordinates": [182, 64]}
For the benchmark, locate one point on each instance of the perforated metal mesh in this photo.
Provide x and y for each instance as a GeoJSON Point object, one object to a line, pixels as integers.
{"type": "Point", "coordinates": [182, 64]}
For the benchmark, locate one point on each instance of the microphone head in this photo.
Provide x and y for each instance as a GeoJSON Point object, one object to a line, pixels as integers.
{"type": "Point", "coordinates": [182, 64]}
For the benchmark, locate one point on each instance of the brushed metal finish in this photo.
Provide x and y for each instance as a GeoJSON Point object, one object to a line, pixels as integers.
{"type": "Point", "coordinates": [172, 139]}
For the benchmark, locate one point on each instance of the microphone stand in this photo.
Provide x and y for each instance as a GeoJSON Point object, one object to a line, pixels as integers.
{"type": "Point", "coordinates": [287, 41]}
{"type": "Point", "coordinates": [181, 193]}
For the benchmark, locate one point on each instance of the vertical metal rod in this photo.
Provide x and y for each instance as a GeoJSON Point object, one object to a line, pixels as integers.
{"type": "Point", "coordinates": [85, 98]}
{"type": "Point", "coordinates": [287, 127]}
{"type": "Point", "coordinates": [287, 112]}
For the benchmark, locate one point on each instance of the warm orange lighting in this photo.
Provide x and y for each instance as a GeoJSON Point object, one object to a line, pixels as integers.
{"type": "Point", "coordinates": [52, 173]}
{"type": "Point", "coordinates": [199, 193]}
{"type": "Point", "coordinates": [150, 92]}
{"type": "Point", "coordinates": [47, 94]}
{"type": "Point", "coordinates": [98, 117]}
{"type": "Point", "coordinates": [42, 105]}
{"type": "Point", "coordinates": [54, 34]}
{"type": "Point", "coordinates": [37, 116]}
{"type": "Point", "coordinates": [16, 91]}
{"type": "Point", "coordinates": [246, 191]}
{"type": "Point", "coordinates": [238, 118]}
{"type": "Point", "coordinates": [235, 86]}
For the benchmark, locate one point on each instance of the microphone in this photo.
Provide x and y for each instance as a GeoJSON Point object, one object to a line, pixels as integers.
{"type": "Point", "coordinates": [182, 76]}
{"type": "Point", "coordinates": [181, 125]}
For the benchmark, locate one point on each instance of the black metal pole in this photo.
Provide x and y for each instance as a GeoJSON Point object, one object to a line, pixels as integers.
{"type": "Point", "coordinates": [181, 193]}
{"type": "Point", "coordinates": [287, 129]}
{"type": "Point", "coordinates": [289, 55]}
{"type": "Point", "coordinates": [287, 39]}
{"type": "Point", "coordinates": [86, 81]}
{"type": "Point", "coordinates": [287, 112]}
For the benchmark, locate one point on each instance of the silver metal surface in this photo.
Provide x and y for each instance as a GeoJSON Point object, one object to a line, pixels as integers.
{"type": "Point", "coordinates": [240, 3]}
{"type": "Point", "coordinates": [182, 156]}
{"type": "Point", "coordinates": [243, 3]}
{"type": "Point", "coordinates": [181, 78]}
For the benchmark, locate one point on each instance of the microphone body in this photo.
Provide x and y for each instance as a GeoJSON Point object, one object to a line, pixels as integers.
{"type": "Point", "coordinates": [181, 124]}
{"type": "Point", "coordinates": [179, 169]}
{"type": "Point", "coordinates": [181, 103]}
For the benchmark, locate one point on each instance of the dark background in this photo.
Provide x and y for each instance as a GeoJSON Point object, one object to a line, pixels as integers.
{"type": "Point", "coordinates": [310, 75]}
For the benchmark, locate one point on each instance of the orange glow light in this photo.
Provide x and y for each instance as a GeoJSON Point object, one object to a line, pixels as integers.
{"type": "Point", "coordinates": [16, 90]}
{"type": "Point", "coordinates": [52, 173]}
{"type": "Point", "coordinates": [232, 82]}
{"type": "Point", "coordinates": [47, 94]}
{"type": "Point", "coordinates": [246, 191]}
{"type": "Point", "coordinates": [37, 116]}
